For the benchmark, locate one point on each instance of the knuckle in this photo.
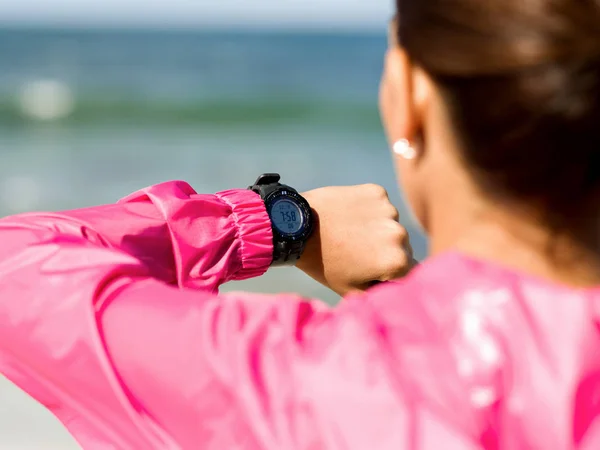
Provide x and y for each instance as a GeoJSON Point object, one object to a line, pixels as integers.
{"type": "Point", "coordinates": [399, 233]}
{"type": "Point", "coordinates": [396, 266]}
{"type": "Point", "coordinates": [393, 213]}
{"type": "Point", "coordinates": [376, 190]}
{"type": "Point", "coordinates": [402, 234]}
{"type": "Point", "coordinates": [389, 230]}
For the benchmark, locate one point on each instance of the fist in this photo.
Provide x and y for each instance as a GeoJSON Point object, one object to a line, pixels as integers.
{"type": "Point", "coordinates": [357, 241]}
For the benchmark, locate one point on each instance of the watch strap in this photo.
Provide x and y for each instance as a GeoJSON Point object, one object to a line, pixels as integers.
{"type": "Point", "coordinates": [285, 253]}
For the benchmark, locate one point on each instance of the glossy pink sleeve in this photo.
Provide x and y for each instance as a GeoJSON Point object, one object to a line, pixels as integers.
{"type": "Point", "coordinates": [94, 326]}
{"type": "Point", "coordinates": [194, 241]}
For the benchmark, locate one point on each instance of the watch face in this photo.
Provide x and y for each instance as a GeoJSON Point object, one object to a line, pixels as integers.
{"type": "Point", "coordinates": [290, 214]}
{"type": "Point", "coordinates": [287, 216]}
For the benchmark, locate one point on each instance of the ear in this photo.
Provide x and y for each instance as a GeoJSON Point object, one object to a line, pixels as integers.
{"type": "Point", "coordinates": [397, 97]}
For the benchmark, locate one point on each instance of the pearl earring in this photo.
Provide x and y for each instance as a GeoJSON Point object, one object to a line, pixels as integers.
{"type": "Point", "coordinates": [403, 149]}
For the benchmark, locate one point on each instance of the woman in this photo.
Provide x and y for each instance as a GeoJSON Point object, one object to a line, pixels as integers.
{"type": "Point", "coordinates": [493, 112]}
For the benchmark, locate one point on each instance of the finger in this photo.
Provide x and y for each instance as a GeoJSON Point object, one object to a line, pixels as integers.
{"type": "Point", "coordinates": [397, 266]}
{"type": "Point", "coordinates": [392, 212]}
{"type": "Point", "coordinates": [375, 191]}
{"type": "Point", "coordinates": [398, 234]}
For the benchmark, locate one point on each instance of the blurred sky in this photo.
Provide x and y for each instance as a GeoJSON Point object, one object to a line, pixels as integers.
{"type": "Point", "coordinates": [167, 13]}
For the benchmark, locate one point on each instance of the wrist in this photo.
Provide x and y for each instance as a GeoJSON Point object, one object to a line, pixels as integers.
{"type": "Point", "coordinates": [311, 261]}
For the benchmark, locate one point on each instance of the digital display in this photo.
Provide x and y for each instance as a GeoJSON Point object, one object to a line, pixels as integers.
{"type": "Point", "coordinates": [286, 216]}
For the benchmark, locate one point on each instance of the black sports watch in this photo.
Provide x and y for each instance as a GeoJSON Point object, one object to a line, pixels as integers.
{"type": "Point", "coordinates": [291, 217]}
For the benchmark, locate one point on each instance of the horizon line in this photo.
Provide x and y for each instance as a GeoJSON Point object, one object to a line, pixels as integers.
{"type": "Point", "coordinates": [216, 25]}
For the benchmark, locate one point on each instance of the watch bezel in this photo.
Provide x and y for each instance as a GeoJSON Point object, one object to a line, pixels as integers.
{"type": "Point", "coordinates": [307, 224]}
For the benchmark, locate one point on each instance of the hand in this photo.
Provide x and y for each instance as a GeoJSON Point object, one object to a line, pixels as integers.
{"type": "Point", "coordinates": [358, 239]}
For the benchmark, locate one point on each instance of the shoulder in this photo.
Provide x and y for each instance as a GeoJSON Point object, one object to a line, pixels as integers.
{"type": "Point", "coordinates": [449, 303]}
{"type": "Point", "coordinates": [443, 290]}
{"type": "Point", "coordinates": [443, 327]}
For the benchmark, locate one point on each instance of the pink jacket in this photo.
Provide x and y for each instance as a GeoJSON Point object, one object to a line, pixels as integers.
{"type": "Point", "coordinates": [110, 317]}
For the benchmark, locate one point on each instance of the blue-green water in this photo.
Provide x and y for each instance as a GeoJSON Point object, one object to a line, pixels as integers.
{"type": "Point", "coordinates": [171, 78]}
{"type": "Point", "coordinates": [89, 116]}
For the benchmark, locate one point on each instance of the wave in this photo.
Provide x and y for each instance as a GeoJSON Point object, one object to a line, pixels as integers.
{"type": "Point", "coordinates": [100, 111]}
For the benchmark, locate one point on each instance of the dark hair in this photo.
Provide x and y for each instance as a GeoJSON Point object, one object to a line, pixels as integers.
{"type": "Point", "coordinates": [522, 82]}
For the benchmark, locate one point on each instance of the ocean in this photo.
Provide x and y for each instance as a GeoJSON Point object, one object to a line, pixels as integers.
{"type": "Point", "coordinates": [88, 116]}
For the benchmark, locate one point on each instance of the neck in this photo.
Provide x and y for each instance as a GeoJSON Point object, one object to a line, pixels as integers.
{"type": "Point", "coordinates": [510, 236]}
